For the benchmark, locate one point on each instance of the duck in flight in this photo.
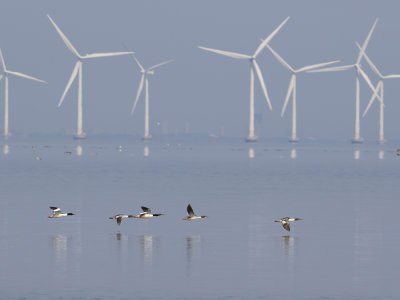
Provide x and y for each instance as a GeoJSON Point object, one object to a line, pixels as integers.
{"type": "Point", "coordinates": [147, 214]}
{"type": "Point", "coordinates": [191, 215]}
{"type": "Point", "coordinates": [119, 218]}
{"type": "Point", "coordinates": [57, 213]}
{"type": "Point", "coordinates": [286, 222]}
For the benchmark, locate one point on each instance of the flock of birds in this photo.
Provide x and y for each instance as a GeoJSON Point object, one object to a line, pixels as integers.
{"type": "Point", "coordinates": [146, 214]}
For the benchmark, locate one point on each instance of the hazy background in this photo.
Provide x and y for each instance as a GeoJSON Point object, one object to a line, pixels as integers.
{"type": "Point", "coordinates": [200, 91]}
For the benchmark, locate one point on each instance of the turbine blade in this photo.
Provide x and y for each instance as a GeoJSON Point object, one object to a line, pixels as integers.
{"type": "Point", "coordinates": [269, 38]}
{"type": "Point", "coordinates": [289, 91]}
{"type": "Point", "coordinates": [311, 67]}
{"type": "Point", "coordinates": [391, 76]}
{"type": "Point", "coordinates": [2, 61]}
{"type": "Point", "coordinates": [367, 80]}
{"type": "Point", "coordinates": [261, 79]}
{"type": "Point", "coordinates": [25, 76]}
{"type": "Point", "coordinates": [365, 44]}
{"type": "Point", "coordinates": [333, 69]}
{"type": "Point", "coordinates": [369, 61]}
{"type": "Point", "coordinates": [64, 38]}
{"type": "Point", "coordinates": [138, 63]}
{"type": "Point", "coordinates": [1, 77]}
{"type": "Point", "coordinates": [227, 53]}
{"type": "Point", "coordinates": [160, 64]}
{"type": "Point", "coordinates": [374, 95]}
{"type": "Point", "coordinates": [139, 91]}
{"type": "Point", "coordinates": [280, 59]}
{"type": "Point", "coordinates": [71, 79]}
{"type": "Point", "coordinates": [96, 55]}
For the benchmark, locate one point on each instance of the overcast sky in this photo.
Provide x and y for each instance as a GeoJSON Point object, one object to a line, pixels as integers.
{"type": "Point", "coordinates": [201, 89]}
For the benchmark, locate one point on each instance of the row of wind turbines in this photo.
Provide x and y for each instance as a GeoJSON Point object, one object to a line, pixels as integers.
{"type": "Point", "coordinates": [377, 91]}
{"type": "Point", "coordinates": [77, 71]}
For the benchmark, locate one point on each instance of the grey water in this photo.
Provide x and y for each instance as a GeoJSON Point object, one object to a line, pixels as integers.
{"type": "Point", "coordinates": [345, 247]}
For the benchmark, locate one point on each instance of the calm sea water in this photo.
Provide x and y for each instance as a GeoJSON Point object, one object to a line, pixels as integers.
{"type": "Point", "coordinates": [346, 246]}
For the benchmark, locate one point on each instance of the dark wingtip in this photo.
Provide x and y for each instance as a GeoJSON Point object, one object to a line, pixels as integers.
{"type": "Point", "coordinates": [70, 214]}
{"type": "Point", "coordinates": [53, 207]}
{"type": "Point", "coordinates": [203, 216]}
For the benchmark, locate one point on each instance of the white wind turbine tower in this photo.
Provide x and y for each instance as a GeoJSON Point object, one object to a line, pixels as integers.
{"type": "Point", "coordinates": [80, 134]}
{"type": "Point", "coordinates": [357, 67]}
{"type": "Point", "coordinates": [379, 88]}
{"type": "Point", "coordinates": [144, 80]}
{"type": "Point", "coordinates": [292, 89]}
{"type": "Point", "coordinates": [254, 67]}
{"type": "Point", "coordinates": [5, 75]}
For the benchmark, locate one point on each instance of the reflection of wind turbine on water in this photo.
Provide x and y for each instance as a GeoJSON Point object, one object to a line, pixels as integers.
{"type": "Point", "coordinates": [146, 151]}
{"type": "Point", "coordinates": [254, 68]}
{"type": "Point", "coordinates": [357, 67]}
{"type": "Point", "coordinates": [5, 75]}
{"type": "Point", "coordinates": [251, 153]}
{"type": "Point", "coordinates": [80, 134]}
{"type": "Point", "coordinates": [144, 80]}
{"type": "Point", "coordinates": [6, 149]}
{"type": "Point", "coordinates": [292, 88]}
{"type": "Point", "coordinates": [379, 88]}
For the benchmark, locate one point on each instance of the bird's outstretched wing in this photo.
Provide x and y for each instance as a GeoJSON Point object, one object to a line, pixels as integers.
{"type": "Point", "coordinates": [190, 211]}
{"type": "Point", "coordinates": [146, 209]}
{"type": "Point", "coordinates": [286, 225]}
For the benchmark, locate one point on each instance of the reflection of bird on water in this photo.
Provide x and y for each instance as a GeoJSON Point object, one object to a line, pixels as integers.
{"type": "Point", "coordinates": [286, 222]}
{"type": "Point", "coordinates": [191, 215]}
{"type": "Point", "coordinates": [119, 218]}
{"type": "Point", "coordinates": [146, 214]}
{"type": "Point", "coordinates": [57, 213]}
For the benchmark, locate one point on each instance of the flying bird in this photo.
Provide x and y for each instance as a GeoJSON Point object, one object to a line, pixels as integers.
{"type": "Point", "coordinates": [147, 214]}
{"type": "Point", "coordinates": [119, 218]}
{"type": "Point", "coordinates": [191, 215]}
{"type": "Point", "coordinates": [286, 222]}
{"type": "Point", "coordinates": [57, 213]}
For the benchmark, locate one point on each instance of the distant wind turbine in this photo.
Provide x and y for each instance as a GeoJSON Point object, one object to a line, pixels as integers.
{"type": "Point", "coordinates": [254, 67]}
{"type": "Point", "coordinates": [144, 79]}
{"type": "Point", "coordinates": [5, 75]}
{"type": "Point", "coordinates": [292, 88]}
{"type": "Point", "coordinates": [357, 67]}
{"type": "Point", "coordinates": [379, 88]}
{"type": "Point", "coordinates": [80, 134]}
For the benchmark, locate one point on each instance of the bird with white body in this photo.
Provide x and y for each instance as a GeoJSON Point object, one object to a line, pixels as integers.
{"type": "Point", "coordinates": [286, 222]}
{"type": "Point", "coordinates": [57, 213]}
{"type": "Point", "coordinates": [191, 215]}
{"type": "Point", "coordinates": [146, 214]}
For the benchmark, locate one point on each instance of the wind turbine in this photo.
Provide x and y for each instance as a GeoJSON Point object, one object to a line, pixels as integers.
{"type": "Point", "coordinates": [357, 67]}
{"type": "Point", "coordinates": [5, 75]}
{"type": "Point", "coordinates": [254, 67]}
{"type": "Point", "coordinates": [80, 134]}
{"type": "Point", "coordinates": [292, 88]}
{"type": "Point", "coordinates": [144, 79]}
{"type": "Point", "coordinates": [379, 88]}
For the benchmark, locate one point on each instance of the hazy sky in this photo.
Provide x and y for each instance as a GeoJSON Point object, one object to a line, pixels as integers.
{"type": "Point", "coordinates": [207, 90]}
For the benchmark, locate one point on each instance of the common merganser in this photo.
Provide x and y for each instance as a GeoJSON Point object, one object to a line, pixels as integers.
{"type": "Point", "coordinates": [191, 215]}
{"type": "Point", "coordinates": [119, 218]}
{"type": "Point", "coordinates": [286, 222]}
{"type": "Point", "coordinates": [57, 213]}
{"type": "Point", "coordinates": [147, 214]}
